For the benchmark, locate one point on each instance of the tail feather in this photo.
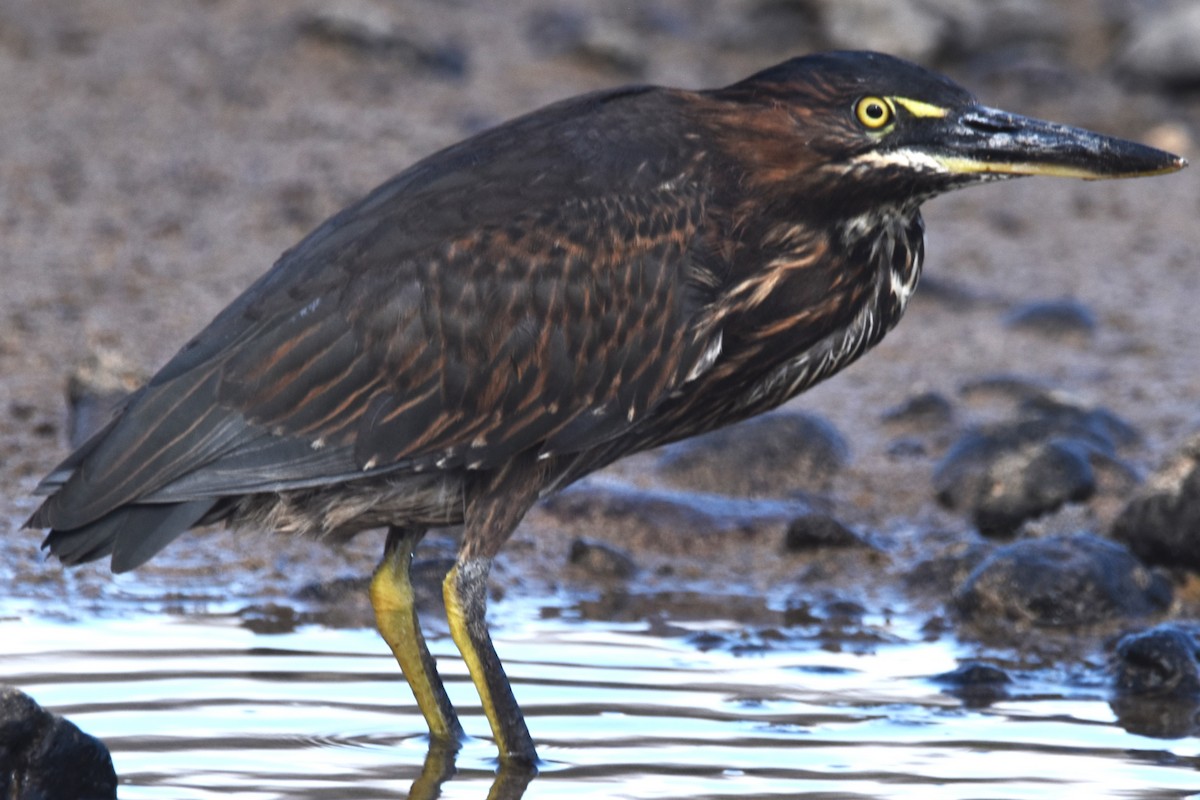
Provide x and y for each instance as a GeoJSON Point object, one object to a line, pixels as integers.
{"type": "Point", "coordinates": [132, 534]}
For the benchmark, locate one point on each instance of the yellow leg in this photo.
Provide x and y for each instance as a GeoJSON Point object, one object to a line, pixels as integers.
{"type": "Point", "coordinates": [465, 590]}
{"type": "Point", "coordinates": [396, 616]}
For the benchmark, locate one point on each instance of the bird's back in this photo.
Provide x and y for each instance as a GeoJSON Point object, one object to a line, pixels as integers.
{"type": "Point", "coordinates": [527, 288]}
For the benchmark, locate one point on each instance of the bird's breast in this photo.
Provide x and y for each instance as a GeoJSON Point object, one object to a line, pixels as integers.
{"type": "Point", "coordinates": [862, 286]}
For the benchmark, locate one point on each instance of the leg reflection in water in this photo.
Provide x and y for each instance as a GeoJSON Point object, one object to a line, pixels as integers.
{"type": "Point", "coordinates": [511, 781]}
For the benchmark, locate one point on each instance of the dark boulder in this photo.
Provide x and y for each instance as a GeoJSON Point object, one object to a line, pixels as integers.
{"type": "Point", "coordinates": [1164, 659]}
{"type": "Point", "coordinates": [1060, 582]}
{"type": "Point", "coordinates": [1156, 681]}
{"type": "Point", "coordinates": [46, 757]}
{"type": "Point", "coordinates": [1003, 481]}
{"type": "Point", "coordinates": [1049, 455]}
{"type": "Point", "coordinates": [1161, 524]}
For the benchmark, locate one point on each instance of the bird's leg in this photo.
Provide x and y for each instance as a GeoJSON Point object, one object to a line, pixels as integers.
{"type": "Point", "coordinates": [494, 507]}
{"type": "Point", "coordinates": [396, 617]}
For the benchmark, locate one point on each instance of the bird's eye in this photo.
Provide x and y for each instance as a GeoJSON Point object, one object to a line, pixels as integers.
{"type": "Point", "coordinates": [874, 112]}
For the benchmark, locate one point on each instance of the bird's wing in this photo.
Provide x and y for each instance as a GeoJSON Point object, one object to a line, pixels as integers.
{"type": "Point", "coordinates": [528, 289]}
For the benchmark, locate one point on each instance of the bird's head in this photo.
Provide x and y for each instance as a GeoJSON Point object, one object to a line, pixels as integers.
{"type": "Point", "coordinates": [889, 129]}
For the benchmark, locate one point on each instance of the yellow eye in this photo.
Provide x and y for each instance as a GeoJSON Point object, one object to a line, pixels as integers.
{"type": "Point", "coordinates": [874, 112]}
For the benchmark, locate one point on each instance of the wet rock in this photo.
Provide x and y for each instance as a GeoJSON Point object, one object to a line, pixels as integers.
{"type": "Point", "coordinates": [819, 530]}
{"type": "Point", "coordinates": [746, 641]}
{"type": "Point", "coordinates": [837, 624]}
{"type": "Point", "coordinates": [1164, 659]}
{"type": "Point", "coordinates": [666, 521]}
{"type": "Point", "coordinates": [594, 42]}
{"type": "Point", "coordinates": [921, 412]}
{"type": "Point", "coordinates": [1162, 522]}
{"type": "Point", "coordinates": [665, 609]}
{"type": "Point", "coordinates": [1157, 681]}
{"type": "Point", "coordinates": [1060, 582]}
{"type": "Point", "coordinates": [941, 573]}
{"type": "Point", "coordinates": [601, 560]}
{"type": "Point", "coordinates": [1010, 472]}
{"type": "Point", "coordinates": [772, 455]}
{"type": "Point", "coordinates": [269, 618]}
{"type": "Point", "coordinates": [45, 757]}
{"type": "Point", "coordinates": [977, 684]}
{"type": "Point", "coordinates": [1003, 482]}
{"type": "Point", "coordinates": [373, 31]}
{"type": "Point", "coordinates": [1053, 319]}
{"type": "Point", "coordinates": [1164, 47]}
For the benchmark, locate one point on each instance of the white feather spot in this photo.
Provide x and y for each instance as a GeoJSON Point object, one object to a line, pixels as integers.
{"type": "Point", "coordinates": [707, 359]}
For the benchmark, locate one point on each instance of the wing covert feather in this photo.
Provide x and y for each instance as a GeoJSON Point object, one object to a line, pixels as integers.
{"type": "Point", "coordinates": [460, 313]}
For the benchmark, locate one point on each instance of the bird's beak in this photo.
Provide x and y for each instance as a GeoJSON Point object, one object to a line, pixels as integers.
{"type": "Point", "coordinates": [982, 140]}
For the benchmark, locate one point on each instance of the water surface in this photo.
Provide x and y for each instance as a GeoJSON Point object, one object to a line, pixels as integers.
{"type": "Point", "coordinates": [198, 706]}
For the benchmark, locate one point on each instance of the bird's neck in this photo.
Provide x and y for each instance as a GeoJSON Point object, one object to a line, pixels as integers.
{"type": "Point", "coordinates": [856, 292]}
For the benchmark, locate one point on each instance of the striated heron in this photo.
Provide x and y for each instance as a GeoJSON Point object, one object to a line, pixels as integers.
{"type": "Point", "coordinates": [608, 274]}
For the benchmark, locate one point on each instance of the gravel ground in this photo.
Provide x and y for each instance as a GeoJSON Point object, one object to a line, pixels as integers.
{"type": "Point", "coordinates": [156, 157]}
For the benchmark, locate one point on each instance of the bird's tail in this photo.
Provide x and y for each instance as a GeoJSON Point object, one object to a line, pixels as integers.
{"type": "Point", "coordinates": [132, 534]}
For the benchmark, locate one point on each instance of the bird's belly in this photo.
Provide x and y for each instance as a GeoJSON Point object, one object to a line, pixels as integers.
{"type": "Point", "coordinates": [339, 511]}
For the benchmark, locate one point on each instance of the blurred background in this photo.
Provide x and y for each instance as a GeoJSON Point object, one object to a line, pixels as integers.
{"type": "Point", "coordinates": [156, 156]}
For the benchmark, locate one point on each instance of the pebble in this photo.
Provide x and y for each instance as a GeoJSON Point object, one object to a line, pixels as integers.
{"type": "Point", "coordinates": [819, 530]}
{"type": "Point", "coordinates": [1058, 320]}
{"type": "Point", "coordinates": [921, 412]}
{"type": "Point", "coordinates": [977, 684]}
{"type": "Point", "coordinates": [601, 560]}
{"type": "Point", "coordinates": [373, 31]}
{"type": "Point", "coordinates": [598, 43]}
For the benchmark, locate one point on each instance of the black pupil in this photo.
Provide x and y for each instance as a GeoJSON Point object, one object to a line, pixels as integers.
{"type": "Point", "coordinates": [875, 111]}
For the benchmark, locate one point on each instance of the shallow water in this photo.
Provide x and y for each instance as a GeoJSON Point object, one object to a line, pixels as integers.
{"type": "Point", "coordinates": [198, 706]}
